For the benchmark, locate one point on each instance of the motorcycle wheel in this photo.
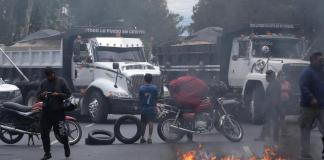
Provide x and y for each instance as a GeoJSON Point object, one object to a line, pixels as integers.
{"type": "Point", "coordinates": [10, 137]}
{"type": "Point", "coordinates": [73, 130]}
{"type": "Point", "coordinates": [232, 129]}
{"type": "Point", "coordinates": [165, 133]}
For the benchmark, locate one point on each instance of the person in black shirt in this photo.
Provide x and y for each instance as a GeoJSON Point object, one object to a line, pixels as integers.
{"type": "Point", "coordinates": [272, 104]}
{"type": "Point", "coordinates": [52, 91]}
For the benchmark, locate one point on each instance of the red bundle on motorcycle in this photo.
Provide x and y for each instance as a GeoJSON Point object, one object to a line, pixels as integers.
{"type": "Point", "coordinates": [188, 91]}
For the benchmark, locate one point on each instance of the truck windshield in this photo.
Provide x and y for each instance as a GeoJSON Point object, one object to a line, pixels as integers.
{"type": "Point", "coordinates": [278, 48]}
{"type": "Point", "coordinates": [109, 54]}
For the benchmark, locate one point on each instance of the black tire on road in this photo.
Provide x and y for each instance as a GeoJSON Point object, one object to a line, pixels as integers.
{"type": "Point", "coordinates": [96, 104]}
{"type": "Point", "coordinates": [93, 139]}
{"type": "Point", "coordinates": [10, 137]}
{"type": "Point", "coordinates": [230, 122]}
{"type": "Point", "coordinates": [161, 130]}
{"type": "Point", "coordinates": [76, 128]}
{"type": "Point", "coordinates": [128, 119]}
{"type": "Point", "coordinates": [257, 105]}
{"type": "Point", "coordinates": [31, 98]}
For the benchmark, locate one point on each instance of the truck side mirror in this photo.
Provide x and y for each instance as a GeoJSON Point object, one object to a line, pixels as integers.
{"type": "Point", "coordinates": [115, 65]}
{"type": "Point", "coordinates": [235, 57]}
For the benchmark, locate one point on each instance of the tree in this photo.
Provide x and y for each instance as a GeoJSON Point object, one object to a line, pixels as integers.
{"type": "Point", "coordinates": [150, 15]}
{"type": "Point", "coordinates": [20, 18]}
{"type": "Point", "coordinates": [228, 13]}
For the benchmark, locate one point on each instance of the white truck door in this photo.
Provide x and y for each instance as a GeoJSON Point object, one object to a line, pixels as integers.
{"type": "Point", "coordinates": [239, 63]}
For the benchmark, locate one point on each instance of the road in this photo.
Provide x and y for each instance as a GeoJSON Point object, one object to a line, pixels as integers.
{"type": "Point", "coordinates": [213, 143]}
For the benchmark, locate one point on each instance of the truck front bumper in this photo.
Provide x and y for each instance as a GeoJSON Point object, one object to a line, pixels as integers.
{"type": "Point", "coordinates": [123, 106]}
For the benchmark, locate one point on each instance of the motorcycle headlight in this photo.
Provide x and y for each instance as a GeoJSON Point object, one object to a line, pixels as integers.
{"type": "Point", "coordinates": [259, 65]}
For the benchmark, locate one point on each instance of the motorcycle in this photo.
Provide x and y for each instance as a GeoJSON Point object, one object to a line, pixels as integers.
{"type": "Point", "coordinates": [175, 122]}
{"type": "Point", "coordinates": [17, 120]}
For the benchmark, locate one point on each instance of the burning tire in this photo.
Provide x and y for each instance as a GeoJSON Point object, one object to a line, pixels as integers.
{"type": "Point", "coordinates": [127, 119]}
{"type": "Point", "coordinates": [96, 102]}
{"type": "Point", "coordinates": [10, 137]}
{"type": "Point", "coordinates": [94, 139]}
{"type": "Point", "coordinates": [165, 132]}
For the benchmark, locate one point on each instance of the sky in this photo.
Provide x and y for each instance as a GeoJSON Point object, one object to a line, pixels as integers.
{"type": "Point", "coordinates": [182, 7]}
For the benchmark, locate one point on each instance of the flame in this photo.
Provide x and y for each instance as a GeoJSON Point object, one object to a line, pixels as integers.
{"type": "Point", "coordinates": [200, 154]}
{"type": "Point", "coordinates": [191, 155]}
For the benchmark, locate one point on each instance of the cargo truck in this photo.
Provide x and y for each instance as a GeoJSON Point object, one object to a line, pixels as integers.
{"type": "Point", "coordinates": [104, 71]}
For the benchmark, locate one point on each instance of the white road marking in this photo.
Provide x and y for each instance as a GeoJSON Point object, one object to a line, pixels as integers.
{"type": "Point", "coordinates": [89, 125]}
{"type": "Point", "coordinates": [53, 142]}
{"type": "Point", "coordinates": [248, 151]}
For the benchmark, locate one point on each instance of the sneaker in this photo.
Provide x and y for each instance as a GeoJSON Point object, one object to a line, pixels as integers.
{"type": "Point", "coordinates": [67, 151]}
{"type": "Point", "coordinates": [143, 141]}
{"type": "Point", "coordinates": [47, 156]}
{"type": "Point", "coordinates": [149, 141]}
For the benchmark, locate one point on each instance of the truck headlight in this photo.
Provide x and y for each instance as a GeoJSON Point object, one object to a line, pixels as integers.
{"type": "Point", "coordinates": [113, 94]}
{"type": "Point", "coordinates": [15, 94]}
{"type": "Point", "coordinates": [259, 65]}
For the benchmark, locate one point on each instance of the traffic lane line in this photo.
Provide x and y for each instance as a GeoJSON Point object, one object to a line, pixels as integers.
{"type": "Point", "coordinates": [89, 125]}
{"type": "Point", "coordinates": [52, 143]}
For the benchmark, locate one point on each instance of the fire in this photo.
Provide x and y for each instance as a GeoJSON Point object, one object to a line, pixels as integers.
{"type": "Point", "coordinates": [191, 155]}
{"type": "Point", "coordinates": [200, 154]}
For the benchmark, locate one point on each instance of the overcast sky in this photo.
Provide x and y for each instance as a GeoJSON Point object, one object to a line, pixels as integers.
{"type": "Point", "coordinates": [182, 7]}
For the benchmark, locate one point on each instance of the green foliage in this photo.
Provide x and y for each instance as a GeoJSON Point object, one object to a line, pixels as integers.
{"type": "Point", "coordinates": [18, 18]}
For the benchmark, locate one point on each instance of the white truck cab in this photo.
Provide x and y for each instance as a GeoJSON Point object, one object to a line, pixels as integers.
{"type": "Point", "coordinates": [252, 56]}
{"type": "Point", "coordinates": [97, 76]}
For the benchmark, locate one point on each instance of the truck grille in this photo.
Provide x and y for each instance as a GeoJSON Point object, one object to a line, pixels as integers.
{"type": "Point", "coordinates": [4, 96]}
{"type": "Point", "coordinates": [293, 72]}
{"type": "Point", "coordinates": [138, 80]}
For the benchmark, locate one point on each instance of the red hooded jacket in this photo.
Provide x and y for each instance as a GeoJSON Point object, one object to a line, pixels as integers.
{"type": "Point", "coordinates": [188, 91]}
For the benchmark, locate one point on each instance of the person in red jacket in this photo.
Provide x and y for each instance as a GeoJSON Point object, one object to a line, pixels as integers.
{"type": "Point", "coordinates": [188, 91]}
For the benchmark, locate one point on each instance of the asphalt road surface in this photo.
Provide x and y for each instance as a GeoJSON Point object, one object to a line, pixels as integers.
{"type": "Point", "coordinates": [212, 142]}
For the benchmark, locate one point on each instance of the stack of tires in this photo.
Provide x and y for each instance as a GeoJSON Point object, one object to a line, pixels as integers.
{"type": "Point", "coordinates": [104, 137]}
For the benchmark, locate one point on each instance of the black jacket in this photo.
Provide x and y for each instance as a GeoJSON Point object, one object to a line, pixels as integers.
{"type": "Point", "coordinates": [273, 94]}
{"type": "Point", "coordinates": [54, 103]}
{"type": "Point", "coordinates": [312, 86]}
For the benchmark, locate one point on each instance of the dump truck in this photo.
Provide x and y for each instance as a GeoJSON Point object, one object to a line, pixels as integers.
{"type": "Point", "coordinates": [104, 70]}
{"type": "Point", "coordinates": [240, 57]}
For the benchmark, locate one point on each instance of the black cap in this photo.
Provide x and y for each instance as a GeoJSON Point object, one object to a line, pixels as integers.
{"type": "Point", "coordinates": [48, 71]}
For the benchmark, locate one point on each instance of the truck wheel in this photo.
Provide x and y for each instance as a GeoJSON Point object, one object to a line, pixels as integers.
{"type": "Point", "coordinates": [257, 105]}
{"type": "Point", "coordinates": [96, 105]}
{"type": "Point", "coordinates": [31, 98]}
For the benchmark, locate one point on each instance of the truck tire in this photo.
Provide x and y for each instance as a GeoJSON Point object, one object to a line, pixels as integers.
{"type": "Point", "coordinates": [257, 105]}
{"type": "Point", "coordinates": [31, 98]}
{"type": "Point", "coordinates": [96, 106]}
{"type": "Point", "coordinates": [126, 119]}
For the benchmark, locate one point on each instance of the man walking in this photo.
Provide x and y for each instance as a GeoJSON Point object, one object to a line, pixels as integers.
{"type": "Point", "coordinates": [148, 96]}
{"type": "Point", "coordinates": [52, 91]}
{"type": "Point", "coordinates": [272, 104]}
{"type": "Point", "coordinates": [312, 100]}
